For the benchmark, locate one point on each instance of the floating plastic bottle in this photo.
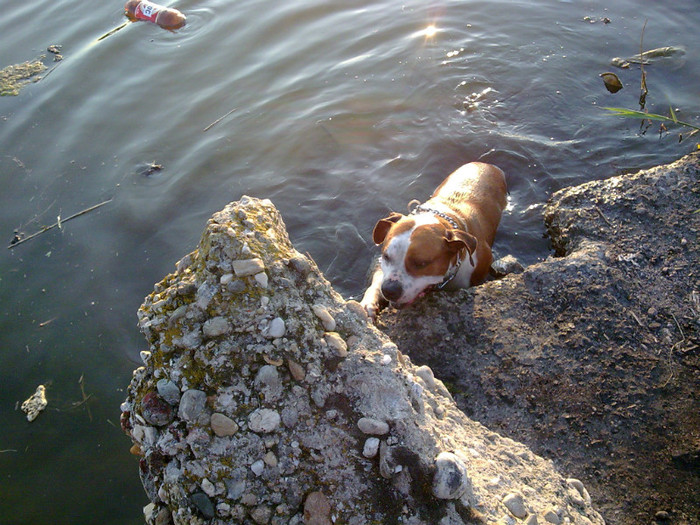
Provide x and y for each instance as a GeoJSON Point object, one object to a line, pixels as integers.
{"type": "Point", "coordinates": [165, 17]}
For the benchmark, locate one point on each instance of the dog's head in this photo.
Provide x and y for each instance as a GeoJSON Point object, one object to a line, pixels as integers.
{"type": "Point", "coordinates": [418, 252]}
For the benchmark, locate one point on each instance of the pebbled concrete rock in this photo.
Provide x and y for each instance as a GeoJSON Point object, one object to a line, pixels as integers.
{"type": "Point", "coordinates": [327, 432]}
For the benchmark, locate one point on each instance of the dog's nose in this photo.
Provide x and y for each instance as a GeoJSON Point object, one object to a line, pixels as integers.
{"type": "Point", "coordinates": [392, 290]}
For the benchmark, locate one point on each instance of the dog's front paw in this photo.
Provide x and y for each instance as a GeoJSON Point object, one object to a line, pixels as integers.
{"type": "Point", "coordinates": [371, 309]}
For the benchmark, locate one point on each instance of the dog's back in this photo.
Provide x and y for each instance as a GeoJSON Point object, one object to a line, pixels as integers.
{"type": "Point", "coordinates": [478, 192]}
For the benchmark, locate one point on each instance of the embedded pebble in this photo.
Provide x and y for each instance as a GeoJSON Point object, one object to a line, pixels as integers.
{"type": "Point", "coordinates": [215, 327]}
{"type": "Point", "coordinates": [516, 505]}
{"type": "Point", "coordinates": [371, 447]}
{"type": "Point", "coordinates": [262, 279]}
{"type": "Point", "coordinates": [301, 265]}
{"type": "Point", "coordinates": [578, 487]}
{"type": "Point", "coordinates": [336, 342]}
{"type": "Point", "coordinates": [248, 267]}
{"type": "Point", "coordinates": [277, 328]}
{"type": "Point", "coordinates": [203, 504]}
{"type": "Point", "coordinates": [226, 278]}
{"type": "Point", "coordinates": [297, 371]}
{"type": "Point", "coordinates": [208, 488]}
{"type": "Point", "coordinates": [264, 420]}
{"type": "Point", "coordinates": [268, 380]}
{"type": "Point", "coordinates": [270, 459]}
{"type": "Point", "coordinates": [258, 467]}
{"type": "Point", "coordinates": [324, 315]}
{"type": "Point", "coordinates": [192, 404]}
{"type": "Point", "coordinates": [156, 411]}
{"type": "Point", "coordinates": [426, 374]}
{"type": "Point", "coordinates": [168, 391]}
{"type": "Point", "coordinates": [451, 479]}
{"type": "Point", "coordinates": [223, 425]}
{"type": "Point", "coordinates": [261, 515]}
{"type": "Point", "coordinates": [164, 517]}
{"type": "Point", "coordinates": [373, 426]}
{"type": "Point", "coordinates": [552, 517]}
{"type": "Point", "coordinates": [317, 509]}
{"type": "Point", "coordinates": [35, 403]}
{"type": "Point", "coordinates": [145, 356]}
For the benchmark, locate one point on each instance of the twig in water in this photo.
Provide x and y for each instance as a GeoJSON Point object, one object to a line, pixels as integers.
{"type": "Point", "coordinates": [57, 224]}
{"type": "Point", "coordinates": [81, 382]}
{"type": "Point", "coordinates": [643, 95]}
{"type": "Point", "coordinates": [110, 33]}
{"type": "Point", "coordinates": [219, 120]}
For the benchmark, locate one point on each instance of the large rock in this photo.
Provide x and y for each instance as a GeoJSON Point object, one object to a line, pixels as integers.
{"type": "Point", "coordinates": [590, 357]}
{"type": "Point", "coordinates": [306, 409]}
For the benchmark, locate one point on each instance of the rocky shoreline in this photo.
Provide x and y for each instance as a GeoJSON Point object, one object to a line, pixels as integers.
{"type": "Point", "coordinates": [591, 358]}
{"type": "Point", "coordinates": [267, 398]}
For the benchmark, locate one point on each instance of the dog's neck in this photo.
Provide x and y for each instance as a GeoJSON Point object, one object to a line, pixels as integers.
{"type": "Point", "coordinates": [421, 208]}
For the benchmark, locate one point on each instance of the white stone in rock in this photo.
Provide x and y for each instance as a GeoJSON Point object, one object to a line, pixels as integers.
{"type": "Point", "coordinates": [226, 278]}
{"type": "Point", "coordinates": [426, 374]}
{"type": "Point", "coordinates": [248, 267]}
{"type": "Point", "coordinates": [258, 467]}
{"type": "Point", "coordinates": [216, 326]}
{"type": "Point", "coordinates": [515, 503]}
{"type": "Point", "coordinates": [324, 315]}
{"type": "Point", "coordinates": [148, 512]}
{"type": "Point", "coordinates": [336, 342]}
{"type": "Point", "coordinates": [208, 488]}
{"type": "Point", "coordinates": [277, 328]}
{"type": "Point", "coordinates": [582, 492]}
{"type": "Point", "coordinates": [223, 425]}
{"type": "Point", "coordinates": [264, 420]}
{"type": "Point", "coordinates": [262, 279]}
{"type": "Point", "coordinates": [372, 426]}
{"type": "Point", "coordinates": [145, 355]}
{"type": "Point", "coordinates": [451, 479]}
{"type": "Point", "coordinates": [371, 447]}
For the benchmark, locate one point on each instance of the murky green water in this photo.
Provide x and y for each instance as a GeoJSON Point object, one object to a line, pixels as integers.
{"type": "Point", "coordinates": [342, 111]}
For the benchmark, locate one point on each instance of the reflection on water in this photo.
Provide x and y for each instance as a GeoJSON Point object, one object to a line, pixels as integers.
{"type": "Point", "coordinates": [337, 112]}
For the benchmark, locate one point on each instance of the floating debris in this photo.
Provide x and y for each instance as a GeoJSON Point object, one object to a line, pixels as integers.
{"type": "Point", "coordinates": [12, 78]}
{"type": "Point", "coordinates": [56, 50]}
{"type": "Point", "coordinates": [611, 81]}
{"type": "Point", "coordinates": [35, 404]}
{"type": "Point", "coordinates": [647, 57]}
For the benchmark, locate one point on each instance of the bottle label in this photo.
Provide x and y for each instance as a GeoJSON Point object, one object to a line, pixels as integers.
{"type": "Point", "coordinates": [146, 11]}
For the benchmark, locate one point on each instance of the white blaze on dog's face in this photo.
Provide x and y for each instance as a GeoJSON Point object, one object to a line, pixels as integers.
{"type": "Point", "coordinates": [417, 253]}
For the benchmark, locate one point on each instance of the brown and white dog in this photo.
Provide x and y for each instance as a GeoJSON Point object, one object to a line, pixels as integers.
{"type": "Point", "coordinates": [445, 242]}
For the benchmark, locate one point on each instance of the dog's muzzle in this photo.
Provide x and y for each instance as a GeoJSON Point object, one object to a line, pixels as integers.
{"type": "Point", "coordinates": [392, 290]}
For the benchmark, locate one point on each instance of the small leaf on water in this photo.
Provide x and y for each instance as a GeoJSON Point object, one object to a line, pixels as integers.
{"type": "Point", "coordinates": [612, 83]}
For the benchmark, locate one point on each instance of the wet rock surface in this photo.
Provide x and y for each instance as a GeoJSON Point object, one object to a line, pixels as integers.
{"type": "Point", "coordinates": [287, 407]}
{"type": "Point", "coordinates": [592, 357]}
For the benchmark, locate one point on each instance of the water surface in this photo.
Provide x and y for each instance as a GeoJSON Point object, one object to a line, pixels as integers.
{"type": "Point", "coordinates": [343, 111]}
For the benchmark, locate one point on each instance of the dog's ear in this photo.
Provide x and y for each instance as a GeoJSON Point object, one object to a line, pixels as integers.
{"type": "Point", "coordinates": [457, 239]}
{"type": "Point", "coordinates": [383, 226]}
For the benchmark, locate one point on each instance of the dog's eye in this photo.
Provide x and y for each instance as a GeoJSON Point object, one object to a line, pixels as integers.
{"type": "Point", "coordinates": [386, 257]}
